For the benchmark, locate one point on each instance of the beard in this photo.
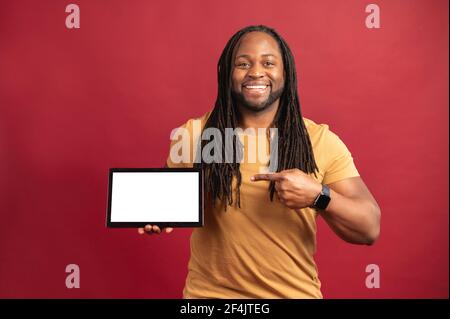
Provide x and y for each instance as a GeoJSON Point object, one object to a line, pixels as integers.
{"type": "Point", "coordinates": [260, 106]}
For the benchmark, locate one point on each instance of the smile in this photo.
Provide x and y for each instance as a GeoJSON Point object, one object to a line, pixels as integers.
{"type": "Point", "coordinates": [256, 88]}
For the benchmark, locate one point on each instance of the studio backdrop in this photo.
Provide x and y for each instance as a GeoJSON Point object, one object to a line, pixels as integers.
{"type": "Point", "coordinates": [79, 95]}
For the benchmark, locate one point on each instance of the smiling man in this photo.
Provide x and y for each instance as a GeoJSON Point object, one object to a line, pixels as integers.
{"type": "Point", "coordinates": [259, 237]}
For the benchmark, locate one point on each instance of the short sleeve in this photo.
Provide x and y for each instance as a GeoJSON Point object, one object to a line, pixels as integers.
{"type": "Point", "coordinates": [180, 151]}
{"type": "Point", "coordinates": [340, 164]}
{"type": "Point", "coordinates": [184, 143]}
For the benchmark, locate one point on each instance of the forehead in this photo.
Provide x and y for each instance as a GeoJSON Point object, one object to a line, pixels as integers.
{"type": "Point", "coordinates": [257, 43]}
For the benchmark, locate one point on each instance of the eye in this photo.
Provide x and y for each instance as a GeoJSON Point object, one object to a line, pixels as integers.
{"type": "Point", "coordinates": [268, 63]}
{"type": "Point", "coordinates": [243, 65]}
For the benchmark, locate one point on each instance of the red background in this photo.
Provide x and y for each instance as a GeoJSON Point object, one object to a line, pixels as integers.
{"type": "Point", "coordinates": [75, 102]}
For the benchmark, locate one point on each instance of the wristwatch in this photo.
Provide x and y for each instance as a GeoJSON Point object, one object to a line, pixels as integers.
{"type": "Point", "coordinates": [323, 199]}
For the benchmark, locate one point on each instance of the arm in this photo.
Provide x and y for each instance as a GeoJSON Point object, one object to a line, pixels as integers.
{"type": "Point", "coordinates": [353, 214]}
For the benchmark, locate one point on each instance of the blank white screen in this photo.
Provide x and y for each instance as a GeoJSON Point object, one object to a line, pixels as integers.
{"type": "Point", "coordinates": [155, 197]}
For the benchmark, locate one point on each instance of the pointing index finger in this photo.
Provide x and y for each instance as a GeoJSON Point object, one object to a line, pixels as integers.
{"type": "Point", "coordinates": [267, 177]}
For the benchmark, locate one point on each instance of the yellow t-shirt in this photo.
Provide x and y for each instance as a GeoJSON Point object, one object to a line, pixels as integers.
{"type": "Point", "coordinates": [262, 249]}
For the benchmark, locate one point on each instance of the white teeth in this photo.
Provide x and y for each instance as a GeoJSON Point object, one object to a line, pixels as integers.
{"type": "Point", "coordinates": [256, 86]}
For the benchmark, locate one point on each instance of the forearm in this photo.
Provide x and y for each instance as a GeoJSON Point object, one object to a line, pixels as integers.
{"type": "Point", "coordinates": [354, 220]}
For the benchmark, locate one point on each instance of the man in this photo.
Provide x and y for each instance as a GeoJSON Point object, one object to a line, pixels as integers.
{"type": "Point", "coordinates": [259, 236]}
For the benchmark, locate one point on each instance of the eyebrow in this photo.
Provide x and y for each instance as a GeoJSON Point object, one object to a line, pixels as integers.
{"type": "Point", "coordinates": [248, 56]}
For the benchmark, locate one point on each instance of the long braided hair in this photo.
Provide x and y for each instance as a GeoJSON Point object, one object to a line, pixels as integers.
{"type": "Point", "coordinates": [294, 145]}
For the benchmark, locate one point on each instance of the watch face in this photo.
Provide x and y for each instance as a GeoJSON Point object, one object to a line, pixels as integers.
{"type": "Point", "coordinates": [322, 201]}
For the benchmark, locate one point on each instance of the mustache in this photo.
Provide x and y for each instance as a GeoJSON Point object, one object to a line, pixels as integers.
{"type": "Point", "coordinates": [238, 97]}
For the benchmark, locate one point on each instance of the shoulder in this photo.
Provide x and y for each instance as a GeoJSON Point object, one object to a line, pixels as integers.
{"type": "Point", "coordinates": [195, 121]}
{"type": "Point", "coordinates": [332, 156]}
{"type": "Point", "coordinates": [326, 143]}
{"type": "Point", "coordinates": [317, 132]}
{"type": "Point", "coordinates": [183, 140]}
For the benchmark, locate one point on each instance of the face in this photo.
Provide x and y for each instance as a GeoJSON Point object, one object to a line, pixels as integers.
{"type": "Point", "coordinates": [258, 72]}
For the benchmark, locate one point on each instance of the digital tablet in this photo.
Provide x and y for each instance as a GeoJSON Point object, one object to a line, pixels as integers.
{"type": "Point", "coordinates": [167, 197]}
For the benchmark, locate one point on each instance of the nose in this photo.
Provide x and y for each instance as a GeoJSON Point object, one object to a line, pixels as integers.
{"type": "Point", "coordinates": [255, 72]}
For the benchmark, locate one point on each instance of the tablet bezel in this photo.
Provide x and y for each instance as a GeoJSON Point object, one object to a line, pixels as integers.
{"type": "Point", "coordinates": [111, 224]}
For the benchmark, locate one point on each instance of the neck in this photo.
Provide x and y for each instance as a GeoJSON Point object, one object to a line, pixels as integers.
{"type": "Point", "coordinates": [262, 119]}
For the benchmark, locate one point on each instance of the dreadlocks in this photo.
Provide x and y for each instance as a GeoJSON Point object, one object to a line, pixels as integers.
{"type": "Point", "coordinates": [294, 145]}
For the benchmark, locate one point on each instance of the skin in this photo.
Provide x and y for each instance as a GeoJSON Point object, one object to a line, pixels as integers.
{"type": "Point", "coordinates": [353, 213]}
{"type": "Point", "coordinates": [257, 59]}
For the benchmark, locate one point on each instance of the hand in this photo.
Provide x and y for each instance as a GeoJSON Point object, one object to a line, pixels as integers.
{"type": "Point", "coordinates": [294, 188]}
{"type": "Point", "coordinates": [149, 229]}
